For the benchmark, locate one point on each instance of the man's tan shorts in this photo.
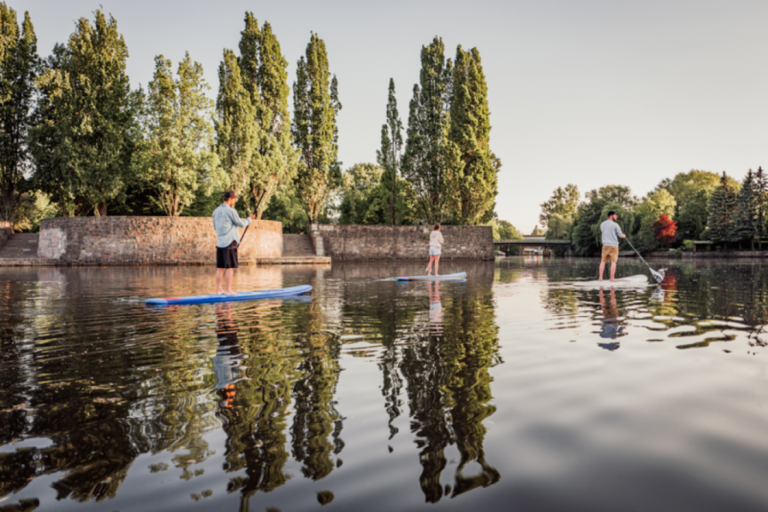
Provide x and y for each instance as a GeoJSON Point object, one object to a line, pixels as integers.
{"type": "Point", "coordinates": [610, 253]}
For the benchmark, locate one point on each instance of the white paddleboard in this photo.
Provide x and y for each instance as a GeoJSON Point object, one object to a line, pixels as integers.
{"type": "Point", "coordinates": [624, 282]}
{"type": "Point", "coordinates": [458, 275]}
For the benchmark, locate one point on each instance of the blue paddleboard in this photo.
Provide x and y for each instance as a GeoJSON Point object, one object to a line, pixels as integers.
{"type": "Point", "coordinates": [202, 299]}
{"type": "Point", "coordinates": [459, 275]}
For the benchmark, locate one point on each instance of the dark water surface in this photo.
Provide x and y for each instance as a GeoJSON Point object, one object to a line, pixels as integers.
{"type": "Point", "coordinates": [512, 390]}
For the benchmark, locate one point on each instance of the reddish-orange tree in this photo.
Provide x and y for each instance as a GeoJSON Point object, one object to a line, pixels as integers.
{"type": "Point", "coordinates": [665, 230]}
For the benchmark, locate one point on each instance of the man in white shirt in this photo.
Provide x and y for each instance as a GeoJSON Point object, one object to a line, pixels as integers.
{"type": "Point", "coordinates": [611, 233]}
{"type": "Point", "coordinates": [225, 222]}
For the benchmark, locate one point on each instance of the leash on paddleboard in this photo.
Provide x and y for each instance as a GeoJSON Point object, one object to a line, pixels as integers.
{"type": "Point", "coordinates": [656, 275]}
{"type": "Point", "coordinates": [256, 211]}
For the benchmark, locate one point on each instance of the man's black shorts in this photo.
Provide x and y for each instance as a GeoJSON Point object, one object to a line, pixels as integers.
{"type": "Point", "coordinates": [226, 257]}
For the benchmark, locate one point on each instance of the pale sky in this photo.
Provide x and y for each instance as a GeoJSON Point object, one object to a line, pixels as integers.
{"type": "Point", "coordinates": [588, 92]}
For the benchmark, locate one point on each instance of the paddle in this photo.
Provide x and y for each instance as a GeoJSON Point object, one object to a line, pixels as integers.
{"type": "Point", "coordinates": [656, 275]}
{"type": "Point", "coordinates": [255, 211]}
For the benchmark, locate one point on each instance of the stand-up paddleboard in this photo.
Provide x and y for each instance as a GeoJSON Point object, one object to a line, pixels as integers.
{"type": "Point", "coordinates": [625, 282]}
{"type": "Point", "coordinates": [459, 275]}
{"type": "Point", "coordinates": [202, 299]}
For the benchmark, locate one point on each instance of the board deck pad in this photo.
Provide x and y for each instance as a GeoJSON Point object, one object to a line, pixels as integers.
{"type": "Point", "coordinates": [254, 295]}
{"type": "Point", "coordinates": [458, 275]}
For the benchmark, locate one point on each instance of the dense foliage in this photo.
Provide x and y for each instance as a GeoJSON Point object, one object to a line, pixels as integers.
{"type": "Point", "coordinates": [75, 139]}
{"type": "Point", "coordinates": [696, 205]}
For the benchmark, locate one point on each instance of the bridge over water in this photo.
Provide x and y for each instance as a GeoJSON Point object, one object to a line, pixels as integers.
{"type": "Point", "coordinates": [532, 241]}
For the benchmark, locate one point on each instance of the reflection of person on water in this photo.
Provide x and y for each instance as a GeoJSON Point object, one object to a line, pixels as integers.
{"type": "Point", "coordinates": [227, 363]}
{"type": "Point", "coordinates": [611, 328]}
{"type": "Point", "coordinates": [435, 249]}
{"type": "Point", "coordinates": [435, 309]}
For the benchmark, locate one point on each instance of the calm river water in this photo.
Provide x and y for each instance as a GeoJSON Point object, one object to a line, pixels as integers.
{"type": "Point", "coordinates": [511, 390]}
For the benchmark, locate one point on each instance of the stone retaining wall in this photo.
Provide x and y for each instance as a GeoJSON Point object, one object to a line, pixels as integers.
{"type": "Point", "coordinates": [354, 243]}
{"type": "Point", "coordinates": [5, 234]}
{"type": "Point", "coordinates": [149, 240]}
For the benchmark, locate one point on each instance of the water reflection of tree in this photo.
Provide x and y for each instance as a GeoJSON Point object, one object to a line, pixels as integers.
{"type": "Point", "coordinates": [317, 425]}
{"type": "Point", "coordinates": [449, 393]}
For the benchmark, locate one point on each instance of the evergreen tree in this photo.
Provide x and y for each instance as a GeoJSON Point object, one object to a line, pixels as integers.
{"type": "Point", "coordinates": [18, 63]}
{"type": "Point", "coordinates": [722, 213]}
{"type": "Point", "coordinates": [423, 161]}
{"type": "Point", "coordinates": [265, 76]}
{"type": "Point", "coordinates": [746, 209]}
{"type": "Point", "coordinates": [316, 105]}
{"type": "Point", "coordinates": [237, 132]}
{"type": "Point", "coordinates": [388, 156]}
{"type": "Point", "coordinates": [761, 204]}
{"type": "Point", "coordinates": [85, 131]}
{"type": "Point", "coordinates": [471, 167]}
{"type": "Point", "coordinates": [175, 158]}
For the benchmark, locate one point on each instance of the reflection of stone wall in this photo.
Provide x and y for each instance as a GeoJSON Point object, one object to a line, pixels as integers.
{"type": "Point", "coordinates": [5, 234]}
{"type": "Point", "coordinates": [404, 242]}
{"type": "Point", "coordinates": [150, 240]}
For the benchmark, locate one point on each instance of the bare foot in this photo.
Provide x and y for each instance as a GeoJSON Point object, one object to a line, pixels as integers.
{"type": "Point", "coordinates": [613, 280]}
{"type": "Point", "coordinates": [219, 292]}
{"type": "Point", "coordinates": [230, 292]}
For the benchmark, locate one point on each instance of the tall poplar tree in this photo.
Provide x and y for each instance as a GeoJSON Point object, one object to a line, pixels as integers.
{"type": "Point", "coordinates": [471, 167]}
{"type": "Point", "coordinates": [423, 162]}
{"type": "Point", "coordinates": [18, 63]}
{"type": "Point", "coordinates": [174, 159]}
{"type": "Point", "coordinates": [85, 130]}
{"type": "Point", "coordinates": [265, 76]}
{"type": "Point", "coordinates": [389, 154]}
{"type": "Point", "coordinates": [237, 131]}
{"type": "Point", "coordinates": [746, 210]}
{"type": "Point", "coordinates": [316, 105]}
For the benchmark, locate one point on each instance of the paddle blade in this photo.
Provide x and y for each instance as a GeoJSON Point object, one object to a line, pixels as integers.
{"type": "Point", "coordinates": [657, 276]}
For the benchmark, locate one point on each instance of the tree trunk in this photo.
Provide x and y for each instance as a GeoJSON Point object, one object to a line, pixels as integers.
{"type": "Point", "coordinates": [103, 209]}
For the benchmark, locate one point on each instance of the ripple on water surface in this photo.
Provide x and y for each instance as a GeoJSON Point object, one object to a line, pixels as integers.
{"type": "Point", "coordinates": [510, 389]}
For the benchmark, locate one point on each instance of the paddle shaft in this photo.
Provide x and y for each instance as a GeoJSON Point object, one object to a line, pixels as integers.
{"type": "Point", "coordinates": [256, 211]}
{"type": "Point", "coordinates": [638, 254]}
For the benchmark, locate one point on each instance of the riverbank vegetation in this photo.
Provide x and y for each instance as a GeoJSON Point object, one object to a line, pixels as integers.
{"type": "Point", "coordinates": [77, 140]}
{"type": "Point", "coordinates": [692, 206]}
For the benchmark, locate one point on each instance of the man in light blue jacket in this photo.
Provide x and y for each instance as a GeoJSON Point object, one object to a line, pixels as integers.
{"type": "Point", "coordinates": [225, 222]}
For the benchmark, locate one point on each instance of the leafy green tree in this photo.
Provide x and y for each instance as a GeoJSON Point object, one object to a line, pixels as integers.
{"type": "Point", "coordinates": [85, 131]}
{"type": "Point", "coordinates": [175, 157]}
{"type": "Point", "coordinates": [746, 210]}
{"type": "Point", "coordinates": [237, 130]}
{"type": "Point", "coordinates": [692, 217]}
{"type": "Point", "coordinates": [316, 105]}
{"type": "Point", "coordinates": [423, 162]}
{"type": "Point", "coordinates": [564, 202]}
{"type": "Point", "coordinates": [761, 190]}
{"type": "Point", "coordinates": [471, 167]}
{"type": "Point", "coordinates": [359, 181]}
{"type": "Point", "coordinates": [537, 231]}
{"type": "Point", "coordinates": [264, 71]}
{"type": "Point", "coordinates": [508, 232]}
{"type": "Point", "coordinates": [618, 194]}
{"type": "Point", "coordinates": [18, 64]}
{"type": "Point", "coordinates": [722, 213]}
{"type": "Point", "coordinates": [286, 207]}
{"type": "Point", "coordinates": [647, 213]}
{"type": "Point", "coordinates": [388, 156]}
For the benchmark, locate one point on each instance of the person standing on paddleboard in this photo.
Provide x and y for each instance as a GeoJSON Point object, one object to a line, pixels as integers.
{"type": "Point", "coordinates": [611, 234]}
{"type": "Point", "coordinates": [225, 222]}
{"type": "Point", "coordinates": [435, 248]}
